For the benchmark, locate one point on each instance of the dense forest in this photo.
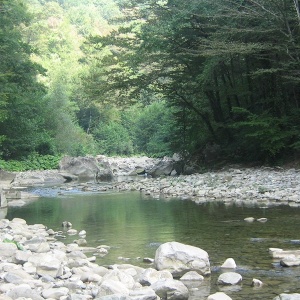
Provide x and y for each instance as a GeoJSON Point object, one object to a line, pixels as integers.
{"type": "Point", "coordinates": [213, 80]}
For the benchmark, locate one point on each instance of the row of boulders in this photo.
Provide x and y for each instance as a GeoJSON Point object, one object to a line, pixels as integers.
{"type": "Point", "coordinates": [99, 168]}
{"type": "Point", "coordinates": [35, 265]}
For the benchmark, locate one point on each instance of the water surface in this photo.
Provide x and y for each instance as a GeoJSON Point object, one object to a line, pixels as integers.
{"type": "Point", "coordinates": [134, 226]}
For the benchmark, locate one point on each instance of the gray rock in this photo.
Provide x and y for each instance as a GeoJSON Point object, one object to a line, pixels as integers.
{"type": "Point", "coordinates": [17, 276]}
{"type": "Point", "coordinates": [86, 167]}
{"type": "Point", "coordinates": [164, 167]}
{"type": "Point", "coordinates": [46, 264]}
{"type": "Point", "coordinates": [180, 258]}
{"type": "Point", "coordinates": [230, 278]}
{"type": "Point", "coordinates": [8, 251]}
{"type": "Point", "coordinates": [25, 291]}
{"type": "Point", "coordinates": [291, 261]}
{"type": "Point", "coordinates": [22, 256]}
{"type": "Point", "coordinates": [170, 289]}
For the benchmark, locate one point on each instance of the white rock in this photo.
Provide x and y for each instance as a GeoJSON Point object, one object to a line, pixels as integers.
{"type": "Point", "coordinates": [150, 275]}
{"type": "Point", "coordinates": [192, 276]}
{"type": "Point", "coordinates": [180, 258]}
{"type": "Point", "coordinates": [256, 282]}
{"type": "Point", "coordinates": [110, 287]}
{"type": "Point", "coordinates": [229, 278]}
{"type": "Point", "coordinates": [284, 296]}
{"type": "Point", "coordinates": [24, 290]}
{"type": "Point", "coordinates": [144, 293]}
{"type": "Point", "coordinates": [170, 289]}
{"type": "Point", "coordinates": [249, 219]}
{"type": "Point", "coordinates": [119, 276]}
{"type": "Point", "coordinates": [55, 293]}
{"type": "Point", "coordinates": [218, 296]}
{"type": "Point", "coordinates": [82, 233]}
{"type": "Point", "coordinates": [229, 264]}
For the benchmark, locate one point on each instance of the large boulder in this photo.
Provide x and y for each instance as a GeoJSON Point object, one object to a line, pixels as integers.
{"type": "Point", "coordinates": [86, 167]}
{"type": "Point", "coordinates": [163, 168]}
{"type": "Point", "coordinates": [180, 258]}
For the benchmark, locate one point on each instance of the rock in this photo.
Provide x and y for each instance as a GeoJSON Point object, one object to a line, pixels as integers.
{"type": "Point", "coordinates": [66, 224]}
{"type": "Point", "coordinates": [148, 260]}
{"type": "Point", "coordinates": [291, 261]}
{"type": "Point", "coordinates": [149, 276]}
{"type": "Point", "coordinates": [170, 289]}
{"type": "Point", "coordinates": [284, 296]}
{"type": "Point", "coordinates": [218, 296]}
{"type": "Point", "coordinates": [262, 220]}
{"type": "Point", "coordinates": [249, 219]}
{"type": "Point", "coordinates": [256, 283]}
{"type": "Point", "coordinates": [38, 245]}
{"type": "Point", "coordinates": [82, 233]}
{"type": "Point", "coordinates": [23, 290]}
{"type": "Point", "coordinates": [17, 276]}
{"type": "Point", "coordinates": [144, 293]}
{"type": "Point", "coordinates": [229, 278]}
{"type": "Point", "coordinates": [55, 293]}
{"type": "Point", "coordinates": [191, 276]}
{"type": "Point", "coordinates": [110, 287]}
{"type": "Point", "coordinates": [6, 177]}
{"type": "Point", "coordinates": [229, 264]}
{"type": "Point", "coordinates": [85, 167]}
{"type": "Point", "coordinates": [8, 250]}
{"type": "Point", "coordinates": [47, 264]}
{"type": "Point", "coordinates": [119, 276]}
{"type": "Point", "coordinates": [114, 297]}
{"type": "Point", "coordinates": [164, 167]}
{"type": "Point", "coordinates": [180, 258]}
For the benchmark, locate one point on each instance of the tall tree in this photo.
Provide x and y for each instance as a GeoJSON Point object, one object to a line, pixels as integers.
{"type": "Point", "coordinates": [230, 68]}
{"type": "Point", "coordinates": [21, 96]}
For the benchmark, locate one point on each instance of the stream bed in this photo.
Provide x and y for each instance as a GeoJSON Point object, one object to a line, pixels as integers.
{"type": "Point", "coordinates": [134, 225]}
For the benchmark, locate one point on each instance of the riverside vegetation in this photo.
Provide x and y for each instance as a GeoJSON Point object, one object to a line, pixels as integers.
{"type": "Point", "coordinates": [124, 77]}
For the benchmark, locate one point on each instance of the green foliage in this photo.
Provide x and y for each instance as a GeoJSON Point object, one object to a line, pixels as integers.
{"type": "Point", "coordinates": [112, 138]}
{"type": "Point", "coordinates": [153, 129]}
{"type": "Point", "coordinates": [205, 58]}
{"type": "Point", "coordinates": [32, 162]}
{"type": "Point", "coordinates": [19, 246]}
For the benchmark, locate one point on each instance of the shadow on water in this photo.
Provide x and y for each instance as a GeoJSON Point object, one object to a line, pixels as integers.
{"type": "Point", "coordinates": [134, 225]}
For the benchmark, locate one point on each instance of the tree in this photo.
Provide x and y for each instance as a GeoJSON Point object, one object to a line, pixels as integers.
{"type": "Point", "coordinates": [21, 95]}
{"type": "Point", "coordinates": [212, 61]}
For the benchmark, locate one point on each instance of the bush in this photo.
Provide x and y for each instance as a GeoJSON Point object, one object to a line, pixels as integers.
{"type": "Point", "coordinates": [32, 162]}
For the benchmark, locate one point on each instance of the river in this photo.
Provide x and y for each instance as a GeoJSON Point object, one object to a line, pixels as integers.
{"type": "Point", "coordinates": [134, 225]}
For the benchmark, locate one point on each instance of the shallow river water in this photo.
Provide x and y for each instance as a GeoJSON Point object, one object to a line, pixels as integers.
{"type": "Point", "coordinates": [134, 225]}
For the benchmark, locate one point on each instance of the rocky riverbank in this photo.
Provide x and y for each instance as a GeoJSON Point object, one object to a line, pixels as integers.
{"type": "Point", "coordinates": [262, 186]}
{"type": "Point", "coordinates": [34, 264]}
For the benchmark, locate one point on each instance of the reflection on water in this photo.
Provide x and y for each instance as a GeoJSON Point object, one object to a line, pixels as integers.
{"type": "Point", "coordinates": [135, 225]}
